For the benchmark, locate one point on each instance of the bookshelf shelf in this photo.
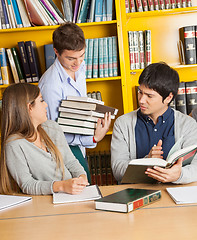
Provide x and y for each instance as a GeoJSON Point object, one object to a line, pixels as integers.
{"type": "Point", "coordinates": [103, 79]}
{"type": "Point", "coordinates": [97, 23]}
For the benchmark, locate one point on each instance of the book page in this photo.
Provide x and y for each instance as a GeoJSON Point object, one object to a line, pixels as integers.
{"type": "Point", "coordinates": [183, 195]}
{"type": "Point", "coordinates": [89, 193]}
{"type": "Point", "coordinates": [7, 201]}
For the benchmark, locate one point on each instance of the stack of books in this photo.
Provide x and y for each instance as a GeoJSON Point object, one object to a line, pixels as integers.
{"type": "Point", "coordinates": [79, 115]}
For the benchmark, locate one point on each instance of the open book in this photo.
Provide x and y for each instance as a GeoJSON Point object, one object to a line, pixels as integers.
{"type": "Point", "coordinates": [135, 172]}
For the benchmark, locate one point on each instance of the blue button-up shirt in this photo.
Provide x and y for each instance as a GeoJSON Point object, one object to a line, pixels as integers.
{"type": "Point", "coordinates": [147, 134]}
{"type": "Point", "coordinates": [55, 85]}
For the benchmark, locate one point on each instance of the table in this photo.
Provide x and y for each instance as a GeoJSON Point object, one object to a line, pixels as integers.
{"type": "Point", "coordinates": [40, 219]}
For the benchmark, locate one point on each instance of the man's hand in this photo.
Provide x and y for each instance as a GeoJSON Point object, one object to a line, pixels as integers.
{"type": "Point", "coordinates": [165, 175]}
{"type": "Point", "coordinates": [156, 151]}
{"type": "Point", "coordinates": [102, 127]}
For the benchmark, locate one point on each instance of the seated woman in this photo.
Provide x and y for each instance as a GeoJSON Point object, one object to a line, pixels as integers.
{"type": "Point", "coordinates": [34, 151]}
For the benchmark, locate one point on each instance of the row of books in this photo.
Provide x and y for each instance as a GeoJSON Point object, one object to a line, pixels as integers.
{"type": "Point", "coordinates": [89, 10]}
{"type": "Point", "coordinates": [100, 168]}
{"type": "Point", "coordinates": [24, 13]}
{"type": "Point", "coordinates": [151, 5]}
{"type": "Point", "coordinates": [20, 64]}
{"type": "Point", "coordinates": [79, 115]}
{"type": "Point", "coordinates": [139, 49]}
{"type": "Point", "coordinates": [101, 57]}
{"type": "Point", "coordinates": [186, 99]}
{"type": "Point", "coordinates": [187, 45]}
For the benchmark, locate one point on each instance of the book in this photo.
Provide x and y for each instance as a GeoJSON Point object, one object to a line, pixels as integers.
{"type": "Point", "coordinates": [90, 58]}
{"type": "Point", "coordinates": [67, 9]}
{"type": "Point", "coordinates": [49, 55]}
{"type": "Point", "coordinates": [191, 95]}
{"type": "Point", "coordinates": [5, 13]}
{"type": "Point", "coordinates": [181, 98]}
{"type": "Point", "coordinates": [7, 201]}
{"type": "Point", "coordinates": [10, 12]}
{"type": "Point", "coordinates": [148, 51]}
{"type": "Point", "coordinates": [78, 117]}
{"type": "Point", "coordinates": [77, 130]}
{"type": "Point", "coordinates": [92, 9]}
{"type": "Point", "coordinates": [135, 172]}
{"type": "Point", "coordinates": [77, 3]}
{"type": "Point", "coordinates": [105, 57]}
{"type": "Point", "coordinates": [47, 14]}
{"type": "Point", "coordinates": [100, 108]}
{"type": "Point", "coordinates": [95, 58]}
{"type": "Point", "coordinates": [18, 64]}
{"type": "Point", "coordinates": [2, 17]}
{"type": "Point", "coordinates": [83, 11]}
{"type": "Point", "coordinates": [110, 56]}
{"type": "Point", "coordinates": [12, 65]}
{"type": "Point", "coordinates": [1, 81]}
{"type": "Point", "coordinates": [131, 50]}
{"type": "Point", "coordinates": [84, 112]}
{"type": "Point", "coordinates": [19, 23]}
{"type": "Point", "coordinates": [85, 99]}
{"type": "Point", "coordinates": [101, 67]}
{"type": "Point", "coordinates": [187, 36]}
{"type": "Point", "coordinates": [139, 5]}
{"type": "Point", "coordinates": [114, 56]}
{"type": "Point", "coordinates": [109, 9]}
{"type": "Point", "coordinates": [23, 13]}
{"type": "Point", "coordinates": [5, 72]}
{"type": "Point", "coordinates": [183, 195]}
{"type": "Point", "coordinates": [89, 193]}
{"type": "Point", "coordinates": [127, 200]}
{"type": "Point", "coordinates": [141, 49]}
{"type": "Point", "coordinates": [136, 49]}
{"type": "Point", "coordinates": [33, 59]}
{"type": "Point", "coordinates": [150, 5]}
{"type": "Point", "coordinates": [24, 61]}
{"type": "Point", "coordinates": [77, 123]}
{"type": "Point", "coordinates": [98, 11]}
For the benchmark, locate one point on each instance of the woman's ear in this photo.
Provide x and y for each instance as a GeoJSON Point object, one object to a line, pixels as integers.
{"type": "Point", "coordinates": [29, 107]}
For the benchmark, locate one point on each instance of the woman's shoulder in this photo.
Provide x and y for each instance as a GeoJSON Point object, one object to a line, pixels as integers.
{"type": "Point", "coordinates": [51, 127]}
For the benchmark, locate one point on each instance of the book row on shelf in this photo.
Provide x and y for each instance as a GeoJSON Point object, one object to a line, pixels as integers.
{"type": "Point", "coordinates": [139, 49]}
{"type": "Point", "coordinates": [151, 5]}
{"type": "Point", "coordinates": [186, 99]}
{"type": "Point", "coordinates": [100, 168]}
{"type": "Point", "coordinates": [187, 45]}
{"type": "Point", "coordinates": [27, 13]}
{"type": "Point", "coordinates": [101, 57]}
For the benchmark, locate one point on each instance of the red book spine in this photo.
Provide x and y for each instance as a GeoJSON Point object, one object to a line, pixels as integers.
{"type": "Point", "coordinates": [138, 203]}
{"type": "Point", "coordinates": [161, 4]}
{"type": "Point", "coordinates": [145, 5]}
{"type": "Point", "coordinates": [132, 6]}
{"type": "Point", "coordinates": [156, 4]}
{"type": "Point", "coordinates": [127, 6]}
{"type": "Point", "coordinates": [150, 5]}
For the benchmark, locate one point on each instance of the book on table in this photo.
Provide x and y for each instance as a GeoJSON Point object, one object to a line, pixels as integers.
{"type": "Point", "coordinates": [135, 172]}
{"type": "Point", "coordinates": [7, 201]}
{"type": "Point", "coordinates": [89, 193]}
{"type": "Point", "coordinates": [127, 200]}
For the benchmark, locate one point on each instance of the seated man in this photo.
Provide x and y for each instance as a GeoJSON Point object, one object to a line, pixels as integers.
{"type": "Point", "coordinates": [154, 128]}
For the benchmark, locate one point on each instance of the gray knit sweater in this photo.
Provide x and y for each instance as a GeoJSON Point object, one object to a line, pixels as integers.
{"type": "Point", "coordinates": [123, 146]}
{"type": "Point", "coordinates": [34, 169]}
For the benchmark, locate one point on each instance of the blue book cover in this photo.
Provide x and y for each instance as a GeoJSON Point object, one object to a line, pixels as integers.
{"type": "Point", "coordinates": [105, 57]}
{"type": "Point", "coordinates": [84, 11]}
{"type": "Point", "coordinates": [2, 17]}
{"type": "Point", "coordinates": [110, 57]}
{"type": "Point", "coordinates": [49, 55]}
{"type": "Point", "coordinates": [104, 10]}
{"type": "Point", "coordinates": [90, 56]}
{"type": "Point", "coordinates": [17, 14]}
{"type": "Point", "coordinates": [95, 58]}
{"type": "Point", "coordinates": [1, 81]}
{"type": "Point", "coordinates": [115, 56]}
{"type": "Point", "coordinates": [86, 57]}
{"type": "Point", "coordinates": [100, 43]}
{"type": "Point", "coordinates": [109, 9]}
{"type": "Point", "coordinates": [98, 11]}
{"type": "Point", "coordinates": [4, 66]}
{"type": "Point", "coordinates": [7, 23]}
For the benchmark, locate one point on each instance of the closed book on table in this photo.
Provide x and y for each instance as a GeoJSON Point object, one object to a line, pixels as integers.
{"type": "Point", "coordinates": [181, 98]}
{"type": "Point", "coordinates": [187, 36]}
{"type": "Point", "coordinates": [191, 95]}
{"type": "Point", "coordinates": [127, 200]}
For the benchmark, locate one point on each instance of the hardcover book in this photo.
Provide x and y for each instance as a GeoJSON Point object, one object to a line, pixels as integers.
{"type": "Point", "coordinates": [181, 98]}
{"type": "Point", "coordinates": [135, 172]}
{"type": "Point", "coordinates": [18, 65]}
{"type": "Point", "coordinates": [77, 123]}
{"type": "Point", "coordinates": [101, 66]}
{"type": "Point", "coordinates": [127, 200]}
{"type": "Point", "coordinates": [114, 56]}
{"type": "Point", "coordinates": [191, 95]}
{"type": "Point", "coordinates": [84, 99]}
{"type": "Point", "coordinates": [49, 55]}
{"type": "Point", "coordinates": [12, 65]}
{"type": "Point", "coordinates": [77, 130]}
{"type": "Point", "coordinates": [78, 117]}
{"type": "Point", "coordinates": [5, 71]}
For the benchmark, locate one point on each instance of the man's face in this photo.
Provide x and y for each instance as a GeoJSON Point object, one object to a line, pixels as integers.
{"type": "Point", "coordinates": [151, 103]}
{"type": "Point", "coordinates": [71, 60]}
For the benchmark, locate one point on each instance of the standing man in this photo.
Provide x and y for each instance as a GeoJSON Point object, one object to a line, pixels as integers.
{"type": "Point", "coordinates": [67, 77]}
{"type": "Point", "coordinates": [154, 128]}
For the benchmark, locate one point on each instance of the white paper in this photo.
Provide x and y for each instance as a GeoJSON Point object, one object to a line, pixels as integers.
{"type": "Point", "coordinates": [183, 195]}
{"type": "Point", "coordinates": [89, 193]}
{"type": "Point", "coordinates": [7, 201]}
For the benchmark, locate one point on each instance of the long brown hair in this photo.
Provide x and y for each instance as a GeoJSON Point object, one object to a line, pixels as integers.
{"type": "Point", "coordinates": [15, 120]}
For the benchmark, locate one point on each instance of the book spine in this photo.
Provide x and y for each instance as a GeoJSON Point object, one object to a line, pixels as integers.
{"type": "Point", "coordinates": [12, 65]}
{"type": "Point", "coordinates": [30, 48]}
{"type": "Point", "coordinates": [2, 17]}
{"type": "Point", "coordinates": [86, 57]}
{"type": "Point", "coordinates": [24, 61]}
{"type": "Point", "coordinates": [101, 66]}
{"type": "Point", "coordinates": [110, 54]}
{"type": "Point", "coordinates": [161, 4]}
{"type": "Point", "coordinates": [4, 66]}
{"type": "Point", "coordinates": [184, 3]}
{"type": "Point", "coordinates": [98, 11]}
{"type": "Point", "coordinates": [173, 4]}
{"type": "Point", "coordinates": [191, 95]}
{"type": "Point", "coordinates": [83, 11]}
{"type": "Point", "coordinates": [45, 7]}
{"type": "Point", "coordinates": [178, 3]}
{"type": "Point", "coordinates": [18, 65]}
{"type": "Point", "coordinates": [11, 14]}
{"type": "Point", "coordinates": [127, 6]}
{"type": "Point", "coordinates": [7, 24]}
{"type": "Point", "coordinates": [187, 36]}
{"type": "Point", "coordinates": [92, 9]}
{"type": "Point", "coordinates": [132, 6]}
{"type": "Point", "coordinates": [109, 9]}
{"type": "Point", "coordinates": [105, 57]}
{"type": "Point", "coordinates": [181, 98]}
{"type": "Point", "coordinates": [67, 10]}
{"type": "Point", "coordinates": [139, 5]}
{"type": "Point", "coordinates": [145, 5]}
{"type": "Point", "coordinates": [52, 11]}
{"type": "Point", "coordinates": [17, 14]}
{"type": "Point", "coordinates": [49, 55]}
{"type": "Point", "coordinates": [156, 4]}
{"type": "Point", "coordinates": [131, 50]}
{"type": "Point", "coordinates": [104, 15]}
{"type": "Point", "coordinates": [136, 50]}
{"type": "Point", "coordinates": [23, 13]}
{"type": "Point", "coordinates": [167, 4]}
{"type": "Point", "coordinates": [150, 5]}
{"type": "Point", "coordinates": [90, 58]}
{"type": "Point", "coordinates": [141, 49]}
{"type": "Point", "coordinates": [44, 12]}
{"type": "Point", "coordinates": [56, 10]}
{"type": "Point", "coordinates": [1, 80]}
{"type": "Point", "coordinates": [95, 58]}
{"type": "Point", "coordinates": [148, 47]}
{"type": "Point", "coordinates": [76, 10]}
{"type": "Point", "coordinates": [115, 56]}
